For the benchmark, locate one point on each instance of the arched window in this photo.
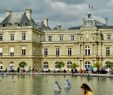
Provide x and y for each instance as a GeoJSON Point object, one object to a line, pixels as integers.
{"type": "Point", "coordinates": [87, 50]}
{"type": "Point", "coordinates": [45, 65]}
{"type": "Point", "coordinates": [11, 65]}
{"type": "Point", "coordinates": [69, 64]}
{"type": "Point", "coordinates": [87, 64]}
{"type": "Point", "coordinates": [1, 66]}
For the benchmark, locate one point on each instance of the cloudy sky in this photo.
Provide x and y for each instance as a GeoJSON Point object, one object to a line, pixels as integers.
{"type": "Point", "coordinates": [67, 13]}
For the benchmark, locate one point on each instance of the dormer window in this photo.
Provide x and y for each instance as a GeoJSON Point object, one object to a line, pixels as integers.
{"type": "Point", "coordinates": [16, 24]}
{"type": "Point", "coordinates": [25, 24]}
{"type": "Point", "coordinates": [3, 25]}
{"type": "Point", "coordinates": [9, 24]}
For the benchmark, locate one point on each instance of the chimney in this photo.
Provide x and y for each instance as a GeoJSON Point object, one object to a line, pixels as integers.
{"type": "Point", "coordinates": [45, 21]}
{"type": "Point", "coordinates": [106, 21]}
{"type": "Point", "coordinates": [29, 13]}
{"type": "Point", "coordinates": [8, 12]}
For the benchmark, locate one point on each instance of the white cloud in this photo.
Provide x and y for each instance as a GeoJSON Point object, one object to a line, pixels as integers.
{"type": "Point", "coordinates": [110, 4]}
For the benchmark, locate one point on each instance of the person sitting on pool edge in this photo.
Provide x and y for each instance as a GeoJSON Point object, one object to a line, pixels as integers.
{"type": "Point", "coordinates": [86, 89]}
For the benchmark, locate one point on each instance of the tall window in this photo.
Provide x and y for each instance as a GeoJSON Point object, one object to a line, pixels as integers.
{"type": "Point", "coordinates": [69, 51]}
{"type": "Point", "coordinates": [87, 51]}
{"type": "Point", "coordinates": [1, 37]}
{"type": "Point", "coordinates": [1, 51]}
{"type": "Point", "coordinates": [72, 38]}
{"type": "Point", "coordinates": [23, 51]}
{"type": "Point", "coordinates": [12, 51]}
{"type": "Point", "coordinates": [45, 51]}
{"type": "Point", "coordinates": [23, 36]}
{"type": "Point", "coordinates": [87, 64]}
{"type": "Point", "coordinates": [107, 51]}
{"type": "Point", "coordinates": [49, 38]}
{"type": "Point", "coordinates": [61, 38]}
{"type": "Point", "coordinates": [80, 49]}
{"type": "Point", "coordinates": [11, 37]}
{"type": "Point", "coordinates": [45, 65]}
{"type": "Point", "coordinates": [69, 64]}
{"type": "Point", "coordinates": [57, 51]}
{"type": "Point", "coordinates": [108, 37]}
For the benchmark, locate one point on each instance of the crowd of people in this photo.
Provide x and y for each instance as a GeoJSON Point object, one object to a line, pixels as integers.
{"type": "Point", "coordinates": [101, 70]}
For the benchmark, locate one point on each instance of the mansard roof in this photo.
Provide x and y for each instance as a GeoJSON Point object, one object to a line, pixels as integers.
{"type": "Point", "coordinates": [17, 19]}
{"type": "Point", "coordinates": [104, 27]}
{"type": "Point", "coordinates": [73, 28]}
{"type": "Point", "coordinates": [98, 27]}
{"type": "Point", "coordinates": [41, 26]}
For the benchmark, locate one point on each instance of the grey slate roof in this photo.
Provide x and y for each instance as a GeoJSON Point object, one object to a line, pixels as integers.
{"type": "Point", "coordinates": [74, 28]}
{"type": "Point", "coordinates": [98, 24]}
{"type": "Point", "coordinates": [98, 27]}
{"type": "Point", "coordinates": [41, 26]}
{"type": "Point", "coordinates": [104, 27]}
{"type": "Point", "coordinates": [19, 19]}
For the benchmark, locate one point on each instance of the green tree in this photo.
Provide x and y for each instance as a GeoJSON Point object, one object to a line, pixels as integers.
{"type": "Point", "coordinates": [74, 65]}
{"type": "Point", "coordinates": [97, 65]}
{"type": "Point", "coordinates": [22, 64]}
{"type": "Point", "coordinates": [109, 64]}
{"type": "Point", "coordinates": [59, 64]}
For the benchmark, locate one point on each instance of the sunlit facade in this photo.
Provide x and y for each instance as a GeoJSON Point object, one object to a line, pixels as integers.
{"type": "Point", "coordinates": [84, 45]}
{"type": "Point", "coordinates": [21, 39]}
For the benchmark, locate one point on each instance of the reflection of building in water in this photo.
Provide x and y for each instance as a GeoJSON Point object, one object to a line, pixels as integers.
{"type": "Point", "coordinates": [21, 39]}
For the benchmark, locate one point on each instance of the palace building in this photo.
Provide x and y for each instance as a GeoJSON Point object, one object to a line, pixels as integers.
{"type": "Point", "coordinates": [23, 39]}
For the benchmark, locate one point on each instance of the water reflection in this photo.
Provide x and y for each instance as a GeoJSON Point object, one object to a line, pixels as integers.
{"type": "Point", "coordinates": [57, 93]}
{"type": "Point", "coordinates": [44, 85]}
{"type": "Point", "coordinates": [67, 91]}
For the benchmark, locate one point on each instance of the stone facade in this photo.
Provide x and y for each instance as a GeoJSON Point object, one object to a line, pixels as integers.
{"type": "Point", "coordinates": [88, 46]}
{"type": "Point", "coordinates": [85, 45]}
{"type": "Point", "coordinates": [25, 41]}
{"type": "Point", "coordinates": [19, 41]}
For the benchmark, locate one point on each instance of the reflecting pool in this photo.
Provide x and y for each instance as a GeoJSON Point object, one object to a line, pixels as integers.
{"type": "Point", "coordinates": [44, 85]}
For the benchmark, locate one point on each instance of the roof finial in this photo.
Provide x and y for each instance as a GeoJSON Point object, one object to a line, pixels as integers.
{"type": "Point", "coordinates": [90, 6]}
{"type": "Point", "coordinates": [90, 9]}
{"type": "Point", "coordinates": [106, 21]}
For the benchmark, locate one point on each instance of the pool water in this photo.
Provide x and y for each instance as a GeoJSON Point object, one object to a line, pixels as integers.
{"type": "Point", "coordinates": [44, 85]}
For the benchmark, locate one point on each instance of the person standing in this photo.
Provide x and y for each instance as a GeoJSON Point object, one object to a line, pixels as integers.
{"type": "Point", "coordinates": [86, 89]}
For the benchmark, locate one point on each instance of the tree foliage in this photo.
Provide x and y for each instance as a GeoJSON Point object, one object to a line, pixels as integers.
{"type": "Point", "coordinates": [60, 64]}
{"type": "Point", "coordinates": [96, 65]}
{"type": "Point", "coordinates": [22, 64]}
{"type": "Point", "coordinates": [109, 64]}
{"type": "Point", "coordinates": [74, 65]}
